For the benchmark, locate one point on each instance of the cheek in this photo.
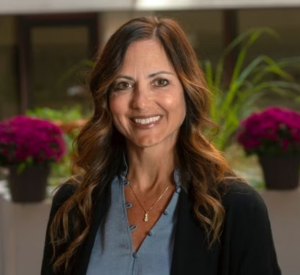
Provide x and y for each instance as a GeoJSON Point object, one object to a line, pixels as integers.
{"type": "Point", "coordinates": [176, 103]}
{"type": "Point", "coordinates": [116, 112]}
{"type": "Point", "coordinates": [115, 107]}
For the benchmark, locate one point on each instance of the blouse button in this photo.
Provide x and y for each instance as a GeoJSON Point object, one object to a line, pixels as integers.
{"type": "Point", "coordinates": [125, 182]}
{"type": "Point", "coordinates": [151, 233]}
{"type": "Point", "coordinates": [128, 205]}
{"type": "Point", "coordinates": [178, 189]}
{"type": "Point", "coordinates": [166, 212]}
{"type": "Point", "coordinates": [135, 255]}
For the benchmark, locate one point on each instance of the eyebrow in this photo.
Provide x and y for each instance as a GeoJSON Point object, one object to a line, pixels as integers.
{"type": "Point", "coordinates": [160, 72]}
{"type": "Point", "coordinates": [149, 76]}
{"type": "Point", "coordinates": [125, 76]}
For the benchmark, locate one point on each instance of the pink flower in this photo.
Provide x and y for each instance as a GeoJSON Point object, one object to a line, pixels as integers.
{"type": "Point", "coordinates": [275, 130]}
{"type": "Point", "coordinates": [25, 137]}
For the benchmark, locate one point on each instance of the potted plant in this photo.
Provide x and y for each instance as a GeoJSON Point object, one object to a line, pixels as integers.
{"type": "Point", "coordinates": [274, 135]}
{"type": "Point", "coordinates": [27, 148]}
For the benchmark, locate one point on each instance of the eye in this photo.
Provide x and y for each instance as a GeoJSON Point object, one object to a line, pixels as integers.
{"type": "Point", "coordinates": [161, 82]}
{"type": "Point", "coordinates": [122, 86]}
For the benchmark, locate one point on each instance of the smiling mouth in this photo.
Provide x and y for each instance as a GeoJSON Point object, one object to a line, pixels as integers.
{"type": "Point", "coordinates": [147, 120]}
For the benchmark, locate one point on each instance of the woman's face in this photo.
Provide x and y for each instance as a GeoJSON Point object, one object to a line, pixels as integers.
{"type": "Point", "coordinates": [147, 99]}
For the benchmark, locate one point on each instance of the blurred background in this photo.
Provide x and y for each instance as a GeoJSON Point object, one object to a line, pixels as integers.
{"type": "Point", "coordinates": [46, 52]}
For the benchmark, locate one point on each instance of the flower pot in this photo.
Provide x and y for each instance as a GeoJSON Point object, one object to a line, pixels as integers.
{"type": "Point", "coordinates": [28, 185]}
{"type": "Point", "coordinates": [280, 172]}
{"type": "Point", "coordinates": [68, 126]}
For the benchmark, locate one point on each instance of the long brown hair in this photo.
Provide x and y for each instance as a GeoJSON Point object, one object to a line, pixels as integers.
{"type": "Point", "coordinates": [100, 146]}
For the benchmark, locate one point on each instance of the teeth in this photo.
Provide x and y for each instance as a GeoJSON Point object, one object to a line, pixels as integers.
{"type": "Point", "coordinates": [147, 120]}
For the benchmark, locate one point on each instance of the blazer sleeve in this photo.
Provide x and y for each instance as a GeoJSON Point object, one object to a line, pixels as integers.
{"type": "Point", "coordinates": [248, 243]}
{"type": "Point", "coordinates": [63, 193]}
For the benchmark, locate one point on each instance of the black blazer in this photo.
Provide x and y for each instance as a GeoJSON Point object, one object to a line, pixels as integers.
{"type": "Point", "coordinates": [245, 247]}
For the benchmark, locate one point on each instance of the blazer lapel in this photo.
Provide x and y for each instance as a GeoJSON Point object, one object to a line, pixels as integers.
{"type": "Point", "coordinates": [191, 254]}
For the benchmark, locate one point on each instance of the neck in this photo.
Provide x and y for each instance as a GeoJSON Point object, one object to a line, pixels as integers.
{"type": "Point", "coordinates": [150, 167]}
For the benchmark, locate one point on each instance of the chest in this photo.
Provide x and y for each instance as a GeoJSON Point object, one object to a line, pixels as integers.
{"type": "Point", "coordinates": [143, 213]}
{"type": "Point", "coordinates": [140, 247]}
{"type": "Point", "coordinates": [187, 252]}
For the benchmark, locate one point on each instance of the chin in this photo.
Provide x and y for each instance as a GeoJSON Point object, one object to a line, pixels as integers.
{"type": "Point", "coordinates": [146, 142]}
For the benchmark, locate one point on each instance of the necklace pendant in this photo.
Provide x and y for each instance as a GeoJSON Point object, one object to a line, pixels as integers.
{"type": "Point", "coordinates": [146, 217]}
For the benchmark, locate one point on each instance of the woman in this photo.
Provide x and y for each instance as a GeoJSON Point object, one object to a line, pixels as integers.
{"type": "Point", "coordinates": [155, 197]}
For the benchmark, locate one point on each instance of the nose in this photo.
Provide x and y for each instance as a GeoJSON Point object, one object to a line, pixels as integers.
{"type": "Point", "coordinates": [141, 97]}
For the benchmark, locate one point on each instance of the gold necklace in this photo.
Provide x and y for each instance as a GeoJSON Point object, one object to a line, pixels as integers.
{"type": "Point", "coordinates": [147, 210]}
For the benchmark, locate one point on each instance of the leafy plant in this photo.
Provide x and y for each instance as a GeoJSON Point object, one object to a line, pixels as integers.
{"type": "Point", "coordinates": [275, 131]}
{"type": "Point", "coordinates": [249, 82]}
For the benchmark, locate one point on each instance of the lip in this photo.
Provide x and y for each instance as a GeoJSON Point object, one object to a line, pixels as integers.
{"type": "Point", "coordinates": [146, 126]}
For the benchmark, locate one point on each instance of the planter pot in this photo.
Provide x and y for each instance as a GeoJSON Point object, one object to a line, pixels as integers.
{"type": "Point", "coordinates": [280, 172]}
{"type": "Point", "coordinates": [29, 185]}
{"type": "Point", "coordinates": [68, 126]}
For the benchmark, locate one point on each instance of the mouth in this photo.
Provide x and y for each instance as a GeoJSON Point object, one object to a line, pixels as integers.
{"type": "Point", "coordinates": [147, 120]}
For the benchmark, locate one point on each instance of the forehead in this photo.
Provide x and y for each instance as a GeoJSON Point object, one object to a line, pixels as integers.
{"type": "Point", "coordinates": [146, 54]}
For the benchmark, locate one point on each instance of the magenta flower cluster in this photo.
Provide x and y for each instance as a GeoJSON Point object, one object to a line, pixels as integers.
{"type": "Point", "coordinates": [24, 139]}
{"type": "Point", "coordinates": [275, 131]}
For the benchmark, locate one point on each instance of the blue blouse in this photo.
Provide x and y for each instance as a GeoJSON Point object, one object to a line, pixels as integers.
{"type": "Point", "coordinates": [113, 253]}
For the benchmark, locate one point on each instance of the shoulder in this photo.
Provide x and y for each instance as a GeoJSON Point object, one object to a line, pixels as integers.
{"type": "Point", "coordinates": [247, 233]}
{"type": "Point", "coordinates": [64, 191]}
{"type": "Point", "coordinates": [241, 198]}
{"type": "Point", "coordinates": [245, 209]}
{"type": "Point", "coordinates": [61, 194]}
{"type": "Point", "coordinates": [246, 216]}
